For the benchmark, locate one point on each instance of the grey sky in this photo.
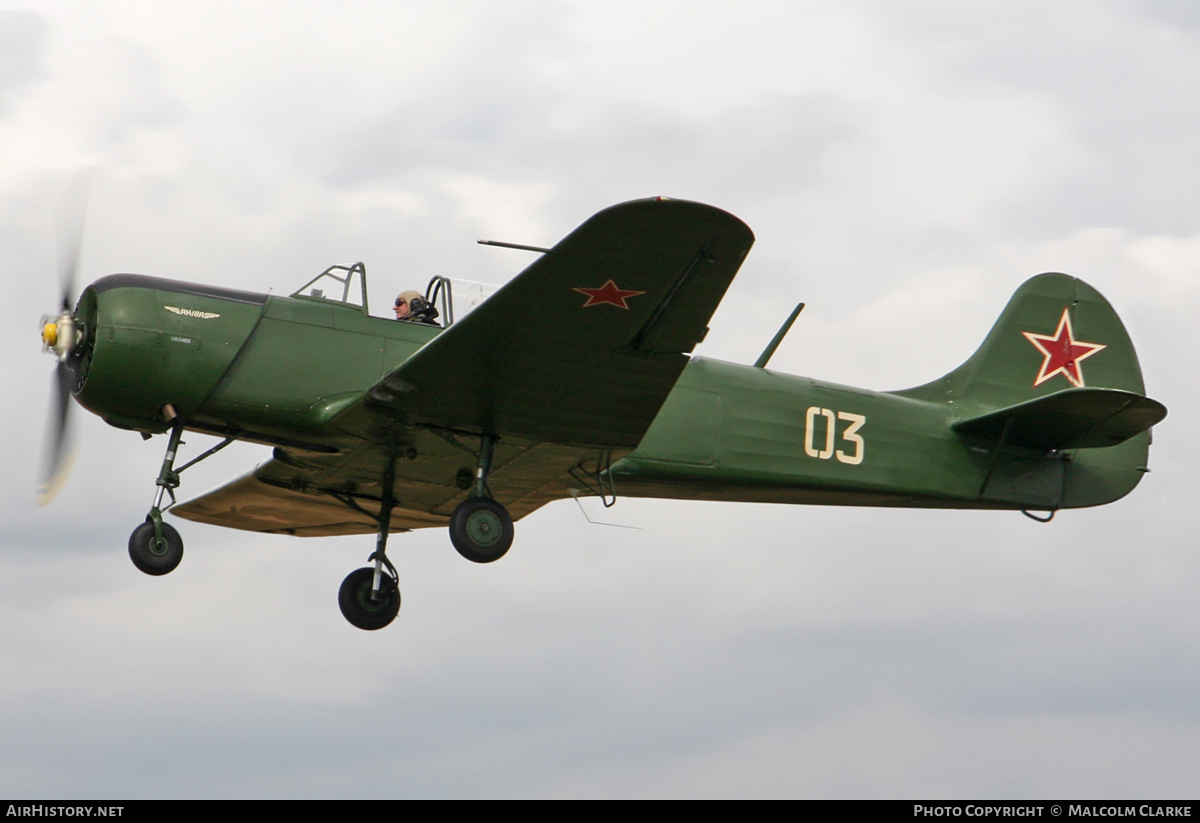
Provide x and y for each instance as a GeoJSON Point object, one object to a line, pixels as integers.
{"type": "Point", "coordinates": [904, 167]}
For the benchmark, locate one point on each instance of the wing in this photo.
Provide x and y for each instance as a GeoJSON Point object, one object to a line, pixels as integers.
{"type": "Point", "coordinates": [567, 366]}
{"type": "Point", "coordinates": [585, 344]}
{"type": "Point", "coordinates": [317, 495]}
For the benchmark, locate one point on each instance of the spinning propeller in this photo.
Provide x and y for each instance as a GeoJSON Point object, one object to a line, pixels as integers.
{"type": "Point", "coordinates": [60, 337]}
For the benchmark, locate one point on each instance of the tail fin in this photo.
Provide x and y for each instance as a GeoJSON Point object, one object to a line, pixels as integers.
{"type": "Point", "coordinates": [1056, 333]}
{"type": "Point", "coordinates": [1057, 336]}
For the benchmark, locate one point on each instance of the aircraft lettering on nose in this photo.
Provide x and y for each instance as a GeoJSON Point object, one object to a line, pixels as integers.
{"type": "Point", "coordinates": [487, 407]}
{"type": "Point", "coordinates": [203, 315]}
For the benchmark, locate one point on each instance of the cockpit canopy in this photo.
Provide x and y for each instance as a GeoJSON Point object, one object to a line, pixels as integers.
{"type": "Point", "coordinates": [347, 285]}
{"type": "Point", "coordinates": [338, 284]}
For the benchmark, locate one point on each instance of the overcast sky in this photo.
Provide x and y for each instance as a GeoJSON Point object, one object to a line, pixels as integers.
{"type": "Point", "coordinates": [904, 166]}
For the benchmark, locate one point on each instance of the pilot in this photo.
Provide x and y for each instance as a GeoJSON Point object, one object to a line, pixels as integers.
{"type": "Point", "coordinates": [404, 305]}
{"type": "Point", "coordinates": [412, 308]}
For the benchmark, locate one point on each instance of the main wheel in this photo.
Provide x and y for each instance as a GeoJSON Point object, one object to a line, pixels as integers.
{"type": "Point", "coordinates": [152, 557]}
{"type": "Point", "coordinates": [360, 608]}
{"type": "Point", "coordinates": [481, 530]}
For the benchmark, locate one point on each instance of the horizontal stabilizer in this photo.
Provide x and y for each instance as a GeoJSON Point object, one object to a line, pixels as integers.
{"type": "Point", "coordinates": [1070, 419]}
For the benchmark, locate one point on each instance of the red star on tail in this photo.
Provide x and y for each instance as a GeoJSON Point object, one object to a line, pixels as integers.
{"type": "Point", "coordinates": [1063, 352]}
{"type": "Point", "coordinates": [608, 293]}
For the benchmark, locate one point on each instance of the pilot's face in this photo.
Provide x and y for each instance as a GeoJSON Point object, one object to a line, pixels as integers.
{"type": "Point", "coordinates": [402, 309]}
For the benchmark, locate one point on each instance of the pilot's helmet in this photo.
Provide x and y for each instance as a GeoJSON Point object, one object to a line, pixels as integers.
{"type": "Point", "coordinates": [415, 299]}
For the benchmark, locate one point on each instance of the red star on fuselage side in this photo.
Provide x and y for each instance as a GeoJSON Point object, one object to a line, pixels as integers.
{"type": "Point", "coordinates": [1062, 351]}
{"type": "Point", "coordinates": [608, 294]}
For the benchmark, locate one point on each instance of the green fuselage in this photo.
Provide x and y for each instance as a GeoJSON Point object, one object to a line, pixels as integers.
{"type": "Point", "coordinates": [733, 432]}
{"type": "Point", "coordinates": [279, 370]}
{"type": "Point", "coordinates": [275, 369]}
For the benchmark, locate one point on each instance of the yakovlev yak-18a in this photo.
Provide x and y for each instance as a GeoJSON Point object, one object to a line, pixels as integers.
{"type": "Point", "coordinates": [576, 376]}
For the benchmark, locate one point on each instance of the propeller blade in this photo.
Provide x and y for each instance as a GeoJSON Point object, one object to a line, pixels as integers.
{"type": "Point", "coordinates": [60, 451]}
{"type": "Point", "coordinates": [72, 212]}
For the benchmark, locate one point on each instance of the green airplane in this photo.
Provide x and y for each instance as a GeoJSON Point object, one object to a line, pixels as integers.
{"type": "Point", "coordinates": [575, 378]}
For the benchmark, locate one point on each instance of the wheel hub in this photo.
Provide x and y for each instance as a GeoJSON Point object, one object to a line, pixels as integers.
{"type": "Point", "coordinates": [369, 601]}
{"type": "Point", "coordinates": [484, 528]}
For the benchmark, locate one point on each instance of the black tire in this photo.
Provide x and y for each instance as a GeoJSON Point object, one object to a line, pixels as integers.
{"type": "Point", "coordinates": [152, 559]}
{"type": "Point", "coordinates": [481, 530]}
{"type": "Point", "coordinates": [357, 605]}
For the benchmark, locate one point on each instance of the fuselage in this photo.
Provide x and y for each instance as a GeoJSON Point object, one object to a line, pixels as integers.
{"type": "Point", "coordinates": [735, 432]}
{"type": "Point", "coordinates": [274, 369]}
{"type": "Point", "coordinates": [280, 369]}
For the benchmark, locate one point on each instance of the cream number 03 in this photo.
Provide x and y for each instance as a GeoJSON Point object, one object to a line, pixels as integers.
{"type": "Point", "coordinates": [850, 437]}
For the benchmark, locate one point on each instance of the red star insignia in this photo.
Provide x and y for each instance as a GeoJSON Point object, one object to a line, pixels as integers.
{"type": "Point", "coordinates": [608, 293]}
{"type": "Point", "coordinates": [1063, 352]}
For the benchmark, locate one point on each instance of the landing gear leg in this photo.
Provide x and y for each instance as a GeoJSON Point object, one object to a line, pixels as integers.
{"type": "Point", "coordinates": [480, 528]}
{"type": "Point", "coordinates": [370, 597]}
{"type": "Point", "coordinates": [155, 547]}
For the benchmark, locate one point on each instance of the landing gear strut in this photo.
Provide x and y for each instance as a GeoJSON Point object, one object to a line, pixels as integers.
{"type": "Point", "coordinates": [480, 528]}
{"type": "Point", "coordinates": [155, 547]}
{"type": "Point", "coordinates": [370, 597]}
